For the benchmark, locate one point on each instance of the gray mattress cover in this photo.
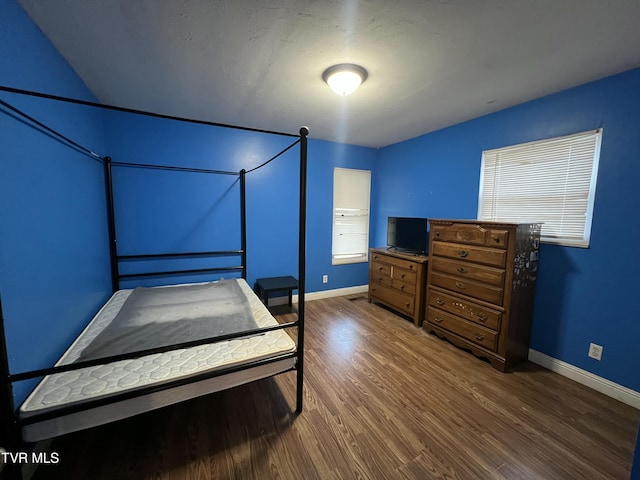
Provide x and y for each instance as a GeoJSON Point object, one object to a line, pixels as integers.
{"type": "Point", "coordinates": [157, 317]}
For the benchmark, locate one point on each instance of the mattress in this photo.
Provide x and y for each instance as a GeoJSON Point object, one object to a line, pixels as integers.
{"type": "Point", "coordinates": [77, 386]}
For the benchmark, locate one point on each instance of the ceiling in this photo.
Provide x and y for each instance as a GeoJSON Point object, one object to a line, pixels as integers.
{"type": "Point", "coordinates": [431, 63]}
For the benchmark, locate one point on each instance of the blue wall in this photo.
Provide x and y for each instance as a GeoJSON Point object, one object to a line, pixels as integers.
{"type": "Point", "coordinates": [54, 268]}
{"type": "Point", "coordinates": [162, 211]}
{"type": "Point", "coordinates": [172, 212]}
{"type": "Point", "coordinates": [323, 158]}
{"type": "Point", "coordinates": [582, 294]}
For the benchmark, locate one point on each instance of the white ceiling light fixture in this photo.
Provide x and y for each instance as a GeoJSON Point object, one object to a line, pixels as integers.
{"type": "Point", "coordinates": [345, 78]}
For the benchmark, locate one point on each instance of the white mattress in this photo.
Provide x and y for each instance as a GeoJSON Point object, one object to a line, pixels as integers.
{"type": "Point", "coordinates": [77, 386]}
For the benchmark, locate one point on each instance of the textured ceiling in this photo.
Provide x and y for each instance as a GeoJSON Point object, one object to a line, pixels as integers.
{"type": "Point", "coordinates": [259, 64]}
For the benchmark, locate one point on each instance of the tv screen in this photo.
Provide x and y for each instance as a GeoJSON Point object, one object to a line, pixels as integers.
{"type": "Point", "coordinates": [407, 234]}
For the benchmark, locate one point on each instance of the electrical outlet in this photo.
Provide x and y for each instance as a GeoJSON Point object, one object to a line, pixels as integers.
{"type": "Point", "coordinates": [595, 351]}
{"type": "Point", "coordinates": [325, 278]}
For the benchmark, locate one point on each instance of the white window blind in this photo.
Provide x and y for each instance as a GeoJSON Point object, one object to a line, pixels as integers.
{"type": "Point", "coordinates": [552, 182]}
{"type": "Point", "coordinates": [351, 191]}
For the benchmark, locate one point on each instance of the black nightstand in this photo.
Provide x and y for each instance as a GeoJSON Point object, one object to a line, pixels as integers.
{"type": "Point", "coordinates": [265, 286]}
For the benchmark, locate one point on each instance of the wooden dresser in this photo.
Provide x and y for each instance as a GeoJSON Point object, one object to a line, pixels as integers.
{"type": "Point", "coordinates": [398, 280]}
{"type": "Point", "coordinates": [481, 285]}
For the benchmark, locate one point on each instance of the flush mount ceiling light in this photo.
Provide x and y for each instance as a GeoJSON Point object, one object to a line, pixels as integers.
{"type": "Point", "coordinates": [345, 78]}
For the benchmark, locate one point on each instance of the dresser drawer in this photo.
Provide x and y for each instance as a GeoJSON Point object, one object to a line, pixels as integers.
{"type": "Point", "coordinates": [471, 234]}
{"type": "Point", "coordinates": [395, 261]}
{"type": "Point", "coordinates": [394, 298]}
{"type": "Point", "coordinates": [494, 276]}
{"type": "Point", "coordinates": [487, 256]}
{"type": "Point", "coordinates": [481, 291]}
{"type": "Point", "coordinates": [385, 281]}
{"type": "Point", "coordinates": [405, 287]}
{"type": "Point", "coordinates": [402, 275]}
{"type": "Point", "coordinates": [397, 268]}
{"type": "Point", "coordinates": [380, 279]}
{"type": "Point", "coordinates": [378, 270]}
{"type": "Point", "coordinates": [463, 308]}
{"type": "Point", "coordinates": [468, 330]}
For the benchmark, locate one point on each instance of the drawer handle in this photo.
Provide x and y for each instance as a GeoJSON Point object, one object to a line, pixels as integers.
{"type": "Point", "coordinates": [463, 253]}
{"type": "Point", "coordinates": [497, 239]}
{"type": "Point", "coordinates": [440, 301]}
{"type": "Point", "coordinates": [462, 270]}
{"type": "Point", "coordinates": [411, 267]}
{"type": "Point", "coordinates": [408, 304]}
{"type": "Point", "coordinates": [437, 319]}
{"type": "Point", "coordinates": [482, 316]}
{"type": "Point", "coordinates": [479, 336]}
{"type": "Point", "coordinates": [401, 287]}
{"type": "Point", "coordinates": [460, 285]}
{"type": "Point", "coordinates": [380, 269]}
{"type": "Point", "coordinates": [402, 276]}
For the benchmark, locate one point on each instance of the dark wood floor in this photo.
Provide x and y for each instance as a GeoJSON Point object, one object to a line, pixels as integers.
{"type": "Point", "coordinates": [383, 400]}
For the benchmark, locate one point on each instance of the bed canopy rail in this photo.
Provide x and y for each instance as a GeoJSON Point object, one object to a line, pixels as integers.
{"type": "Point", "coordinates": [115, 265]}
{"type": "Point", "coordinates": [116, 258]}
{"type": "Point", "coordinates": [129, 394]}
{"type": "Point", "coordinates": [4, 88]}
{"type": "Point", "coordinates": [68, 367]}
{"type": "Point", "coordinates": [302, 262]}
{"type": "Point", "coordinates": [10, 422]}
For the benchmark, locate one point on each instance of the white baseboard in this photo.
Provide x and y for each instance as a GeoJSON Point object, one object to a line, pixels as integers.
{"type": "Point", "coordinates": [336, 292]}
{"type": "Point", "coordinates": [602, 385]}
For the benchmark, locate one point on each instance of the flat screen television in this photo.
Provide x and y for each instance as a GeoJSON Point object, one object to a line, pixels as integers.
{"type": "Point", "coordinates": [407, 234]}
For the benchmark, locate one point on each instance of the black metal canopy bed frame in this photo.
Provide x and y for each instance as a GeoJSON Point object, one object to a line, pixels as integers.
{"type": "Point", "coordinates": [40, 417]}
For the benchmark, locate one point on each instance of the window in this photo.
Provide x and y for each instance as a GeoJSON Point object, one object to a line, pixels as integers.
{"type": "Point", "coordinates": [351, 189]}
{"type": "Point", "coordinates": [552, 182]}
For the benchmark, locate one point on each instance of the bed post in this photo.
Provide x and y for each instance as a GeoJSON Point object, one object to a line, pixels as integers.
{"type": "Point", "coordinates": [304, 132]}
{"type": "Point", "coordinates": [113, 249]}
{"type": "Point", "coordinates": [243, 221]}
{"type": "Point", "coordinates": [10, 439]}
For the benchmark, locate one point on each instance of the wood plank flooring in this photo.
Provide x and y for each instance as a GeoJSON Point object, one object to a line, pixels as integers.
{"type": "Point", "coordinates": [383, 400]}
